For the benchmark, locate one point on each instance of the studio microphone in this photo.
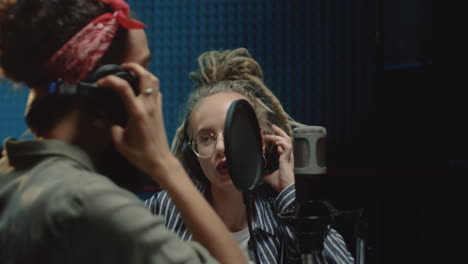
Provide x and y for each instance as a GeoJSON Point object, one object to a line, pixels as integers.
{"type": "Point", "coordinates": [310, 162]}
{"type": "Point", "coordinates": [313, 215]}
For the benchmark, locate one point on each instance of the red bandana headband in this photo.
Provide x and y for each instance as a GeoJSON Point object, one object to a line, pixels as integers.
{"type": "Point", "coordinates": [79, 55]}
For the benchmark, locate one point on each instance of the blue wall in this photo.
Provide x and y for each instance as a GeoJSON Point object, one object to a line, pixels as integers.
{"type": "Point", "coordinates": [315, 55]}
{"type": "Point", "coordinates": [13, 97]}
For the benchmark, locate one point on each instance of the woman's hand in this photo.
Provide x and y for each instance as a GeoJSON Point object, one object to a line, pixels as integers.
{"type": "Point", "coordinates": [143, 141]}
{"type": "Point", "coordinates": [284, 175]}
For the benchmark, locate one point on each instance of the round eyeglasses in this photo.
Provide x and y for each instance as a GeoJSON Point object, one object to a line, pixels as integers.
{"type": "Point", "coordinates": [204, 144]}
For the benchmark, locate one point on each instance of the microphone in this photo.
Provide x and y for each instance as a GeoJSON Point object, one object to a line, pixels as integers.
{"type": "Point", "coordinates": [310, 163]}
{"type": "Point", "coordinates": [313, 215]}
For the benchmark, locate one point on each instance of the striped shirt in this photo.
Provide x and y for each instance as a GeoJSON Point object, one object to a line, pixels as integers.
{"type": "Point", "coordinates": [276, 242]}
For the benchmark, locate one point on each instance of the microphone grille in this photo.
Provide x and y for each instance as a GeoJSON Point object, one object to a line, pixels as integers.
{"type": "Point", "coordinates": [309, 149]}
{"type": "Point", "coordinates": [301, 152]}
{"type": "Point", "coordinates": [321, 152]}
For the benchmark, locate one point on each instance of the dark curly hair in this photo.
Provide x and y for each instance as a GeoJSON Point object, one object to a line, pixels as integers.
{"type": "Point", "coordinates": [32, 30]}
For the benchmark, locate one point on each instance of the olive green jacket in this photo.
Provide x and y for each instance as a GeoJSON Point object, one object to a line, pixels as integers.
{"type": "Point", "coordinates": [55, 208]}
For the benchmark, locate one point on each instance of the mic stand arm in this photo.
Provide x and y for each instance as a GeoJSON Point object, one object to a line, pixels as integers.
{"type": "Point", "coordinates": [311, 221]}
{"type": "Point", "coordinates": [360, 231]}
{"type": "Point", "coordinates": [308, 257]}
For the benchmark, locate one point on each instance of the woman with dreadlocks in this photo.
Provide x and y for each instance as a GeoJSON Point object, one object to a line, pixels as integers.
{"type": "Point", "coordinates": [222, 78]}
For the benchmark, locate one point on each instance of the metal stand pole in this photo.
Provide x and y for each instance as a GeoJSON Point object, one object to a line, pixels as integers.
{"type": "Point", "coordinates": [360, 234]}
{"type": "Point", "coordinates": [360, 250]}
{"type": "Point", "coordinates": [307, 258]}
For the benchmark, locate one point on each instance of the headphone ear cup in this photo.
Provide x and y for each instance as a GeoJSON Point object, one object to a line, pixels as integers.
{"type": "Point", "coordinates": [271, 158]}
{"type": "Point", "coordinates": [130, 78]}
{"type": "Point", "coordinates": [106, 103]}
{"type": "Point", "coordinates": [190, 162]}
{"type": "Point", "coordinates": [117, 70]}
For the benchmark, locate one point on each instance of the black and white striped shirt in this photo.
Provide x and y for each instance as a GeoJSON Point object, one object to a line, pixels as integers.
{"type": "Point", "coordinates": [276, 242]}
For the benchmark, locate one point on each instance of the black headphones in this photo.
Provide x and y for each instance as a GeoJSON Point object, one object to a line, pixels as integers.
{"type": "Point", "coordinates": [104, 102]}
{"type": "Point", "coordinates": [191, 161]}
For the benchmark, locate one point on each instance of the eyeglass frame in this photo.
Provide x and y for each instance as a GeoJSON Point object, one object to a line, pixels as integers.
{"type": "Point", "coordinates": [216, 135]}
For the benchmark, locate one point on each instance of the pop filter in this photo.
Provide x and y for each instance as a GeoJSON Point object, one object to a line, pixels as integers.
{"type": "Point", "coordinates": [243, 145]}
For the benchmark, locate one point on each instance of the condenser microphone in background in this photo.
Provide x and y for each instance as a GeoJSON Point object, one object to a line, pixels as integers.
{"type": "Point", "coordinates": [314, 215]}
{"type": "Point", "coordinates": [310, 163]}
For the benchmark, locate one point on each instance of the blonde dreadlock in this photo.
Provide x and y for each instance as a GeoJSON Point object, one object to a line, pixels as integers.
{"type": "Point", "coordinates": [231, 71]}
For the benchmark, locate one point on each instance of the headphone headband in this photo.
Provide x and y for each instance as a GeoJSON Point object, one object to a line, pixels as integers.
{"type": "Point", "coordinates": [104, 101]}
{"type": "Point", "coordinates": [60, 87]}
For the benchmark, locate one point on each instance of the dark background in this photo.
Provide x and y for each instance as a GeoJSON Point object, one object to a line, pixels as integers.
{"type": "Point", "coordinates": [393, 101]}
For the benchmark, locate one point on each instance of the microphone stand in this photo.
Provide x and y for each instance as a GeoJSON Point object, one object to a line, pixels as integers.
{"type": "Point", "coordinates": [360, 234]}
{"type": "Point", "coordinates": [313, 216]}
{"type": "Point", "coordinates": [311, 221]}
{"type": "Point", "coordinates": [356, 217]}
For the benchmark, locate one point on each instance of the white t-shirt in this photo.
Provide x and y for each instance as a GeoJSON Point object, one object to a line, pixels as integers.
{"type": "Point", "coordinates": [242, 237]}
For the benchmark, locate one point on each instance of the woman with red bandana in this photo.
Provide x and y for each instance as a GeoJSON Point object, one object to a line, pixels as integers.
{"type": "Point", "coordinates": [55, 207]}
{"type": "Point", "coordinates": [222, 78]}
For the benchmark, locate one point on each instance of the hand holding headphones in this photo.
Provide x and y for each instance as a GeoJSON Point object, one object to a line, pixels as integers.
{"type": "Point", "coordinates": [104, 102]}
{"type": "Point", "coordinates": [143, 140]}
{"type": "Point", "coordinates": [284, 175]}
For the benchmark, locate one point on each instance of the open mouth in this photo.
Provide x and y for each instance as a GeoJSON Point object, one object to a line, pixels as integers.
{"type": "Point", "coordinates": [222, 167]}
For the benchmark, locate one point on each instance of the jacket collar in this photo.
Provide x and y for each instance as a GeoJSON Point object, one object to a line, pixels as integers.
{"type": "Point", "coordinates": [25, 153]}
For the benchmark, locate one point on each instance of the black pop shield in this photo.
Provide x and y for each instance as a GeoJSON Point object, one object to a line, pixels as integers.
{"type": "Point", "coordinates": [243, 145]}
